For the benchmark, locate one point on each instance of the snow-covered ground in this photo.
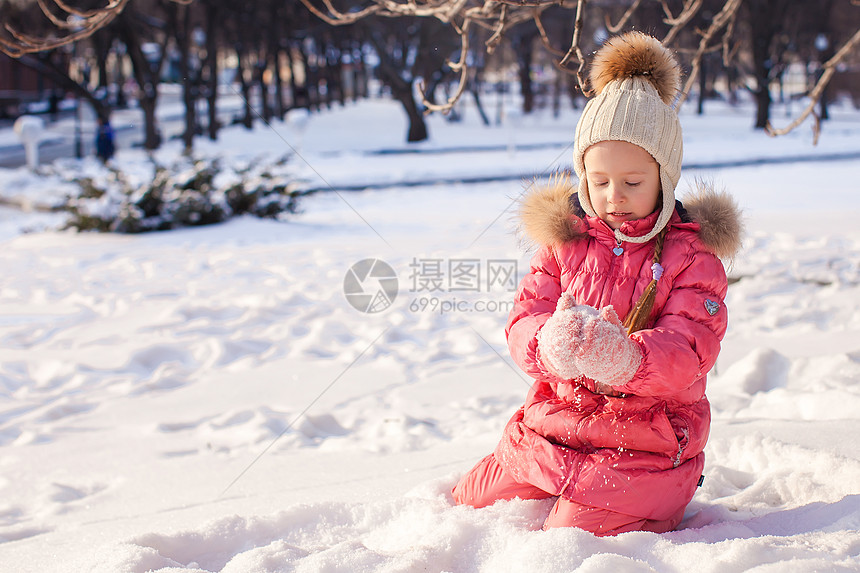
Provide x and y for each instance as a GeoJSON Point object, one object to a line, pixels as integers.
{"type": "Point", "coordinates": [209, 400]}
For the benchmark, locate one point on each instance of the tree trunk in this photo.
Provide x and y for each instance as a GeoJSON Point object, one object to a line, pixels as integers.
{"type": "Point", "coordinates": [703, 86]}
{"type": "Point", "coordinates": [212, 68]}
{"type": "Point", "coordinates": [362, 81]}
{"type": "Point", "coordinates": [180, 21]}
{"type": "Point", "coordinates": [763, 101]}
{"type": "Point", "coordinates": [474, 88]}
{"type": "Point", "coordinates": [524, 71]}
{"type": "Point", "coordinates": [824, 114]}
{"type": "Point", "coordinates": [308, 91]}
{"type": "Point", "coordinates": [260, 78]}
{"type": "Point", "coordinates": [402, 91]}
{"type": "Point", "coordinates": [264, 56]}
{"type": "Point", "coordinates": [294, 86]}
{"type": "Point", "coordinates": [328, 71]}
{"type": "Point", "coordinates": [354, 51]}
{"type": "Point", "coordinates": [573, 91]}
{"type": "Point", "coordinates": [119, 76]}
{"type": "Point", "coordinates": [101, 45]}
{"type": "Point", "coordinates": [274, 58]}
{"type": "Point", "coordinates": [280, 102]}
{"type": "Point", "coordinates": [825, 94]}
{"type": "Point", "coordinates": [147, 77]}
{"type": "Point", "coordinates": [248, 118]}
{"type": "Point", "coordinates": [731, 84]}
{"type": "Point", "coordinates": [762, 76]}
{"type": "Point", "coordinates": [244, 86]}
{"type": "Point", "coordinates": [765, 17]}
{"type": "Point", "coordinates": [417, 125]}
{"type": "Point", "coordinates": [152, 135]}
{"type": "Point", "coordinates": [337, 72]}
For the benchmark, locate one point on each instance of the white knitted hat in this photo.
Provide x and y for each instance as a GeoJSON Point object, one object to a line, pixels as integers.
{"type": "Point", "coordinates": [636, 79]}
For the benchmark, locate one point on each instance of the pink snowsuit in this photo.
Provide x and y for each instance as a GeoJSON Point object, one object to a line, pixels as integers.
{"type": "Point", "coordinates": [624, 463]}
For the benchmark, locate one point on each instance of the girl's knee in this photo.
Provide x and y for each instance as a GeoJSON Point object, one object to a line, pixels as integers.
{"type": "Point", "coordinates": [602, 521]}
{"type": "Point", "coordinates": [599, 521]}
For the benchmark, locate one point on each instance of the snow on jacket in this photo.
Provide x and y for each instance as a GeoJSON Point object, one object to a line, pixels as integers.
{"type": "Point", "coordinates": [640, 453]}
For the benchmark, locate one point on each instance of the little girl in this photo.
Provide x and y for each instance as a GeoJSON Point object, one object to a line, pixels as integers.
{"type": "Point", "coordinates": [616, 421]}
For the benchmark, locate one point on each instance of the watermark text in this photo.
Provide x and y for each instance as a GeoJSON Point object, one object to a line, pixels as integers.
{"type": "Point", "coordinates": [439, 305]}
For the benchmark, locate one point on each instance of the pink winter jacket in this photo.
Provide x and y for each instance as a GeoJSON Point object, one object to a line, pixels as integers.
{"type": "Point", "coordinates": [639, 454]}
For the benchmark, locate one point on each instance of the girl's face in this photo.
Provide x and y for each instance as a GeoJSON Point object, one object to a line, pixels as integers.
{"type": "Point", "coordinates": [623, 181]}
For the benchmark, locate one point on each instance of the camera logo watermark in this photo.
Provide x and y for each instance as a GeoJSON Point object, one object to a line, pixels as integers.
{"type": "Point", "coordinates": [370, 285]}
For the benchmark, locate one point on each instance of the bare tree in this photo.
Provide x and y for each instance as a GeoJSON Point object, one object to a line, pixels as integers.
{"type": "Point", "coordinates": [64, 25]}
{"type": "Point", "coordinates": [765, 30]}
{"type": "Point", "coordinates": [54, 66]}
{"type": "Point", "coordinates": [213, 11]}
{"type": "Point", "coordinates": [135, 30]}
{"type": "Point", "coordinates": [180, 28]}
{"type": "Point", "coordinates": [408, 50]}
{"type": "Point", "coordinates": [716, 32]}
{"type": "Point", "coordinates": [523, 39]}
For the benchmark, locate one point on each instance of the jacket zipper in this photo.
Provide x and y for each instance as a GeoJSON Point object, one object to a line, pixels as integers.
{"type": "Point", "coordinates": [609, 275]}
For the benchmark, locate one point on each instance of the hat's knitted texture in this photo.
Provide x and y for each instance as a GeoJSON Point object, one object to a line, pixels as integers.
{"type": "Point", "coordinates": [637, 79]}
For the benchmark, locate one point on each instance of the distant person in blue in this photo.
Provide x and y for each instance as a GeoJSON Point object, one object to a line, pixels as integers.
{"type": "Point", "coordinates": [104, 140]}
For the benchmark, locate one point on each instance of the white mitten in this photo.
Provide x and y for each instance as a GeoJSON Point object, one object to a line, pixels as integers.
{"type": "Point", "coordinates": [560, 336]}
{"type": "Point", "coordinates": [605, 353]}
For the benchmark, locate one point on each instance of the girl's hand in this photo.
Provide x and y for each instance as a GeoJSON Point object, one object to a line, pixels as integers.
{"type": "Point", "coordinates": [606, 354]}
{"type": "Point", "coordinates": [561, 335]}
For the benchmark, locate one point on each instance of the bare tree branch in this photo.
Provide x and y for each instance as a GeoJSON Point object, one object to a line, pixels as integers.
{"type": "Point", "coordinates": [575, 49]}
{"type": "Point", "coordinates": [544, 37]}
{"type": "Point", "coordinates": [500, 16]}
{"type": "Point", "coordinates": [457, 67]}
{"type": "Point", "coordinates": [688, 11]}
{"type": "Point", "coordinates": [667, 10]}
{"type": "Point", "coordinates": [691, 7]}
{"type": "Point", "coordinates": [494, 40]}
{"type": "Point", "coordinates": [577, 30]}
{"type": "Point", "coordinates": [527, 3]}
{"type": "Point", "coordinates": [86, 14]}
{"type": "Point", "coordinates": [614, 29]}
{"type": "Point", "coordinates": [726, 15]}
{"type": "Point", "coordinates": [80, 24]}
{"type": "Point", "coordinates": [335, 18]}
{"type": "Point", "coordinates": [50, 15]}
{"type": "Point", "coordinates": [729, 51]}
{"type": "Point", "coordinates": [817, 91]}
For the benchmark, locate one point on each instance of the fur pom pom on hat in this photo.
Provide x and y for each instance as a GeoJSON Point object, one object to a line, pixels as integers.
{"type": "Point", "coordinates": [637, 54]}
{"type": "Point", "coordinates": [636, 79]}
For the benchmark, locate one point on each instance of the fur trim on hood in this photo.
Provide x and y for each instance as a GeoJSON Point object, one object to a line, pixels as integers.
{"type": "Point", "coordinates": [550, 214]}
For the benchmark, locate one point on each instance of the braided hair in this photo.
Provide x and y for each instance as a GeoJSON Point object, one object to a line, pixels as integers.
{"type": "Point", "coordinates": [639, 315]}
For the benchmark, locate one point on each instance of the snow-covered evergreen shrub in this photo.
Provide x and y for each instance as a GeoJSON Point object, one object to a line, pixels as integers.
{"type": "Point", "coordinates": [190, 192]}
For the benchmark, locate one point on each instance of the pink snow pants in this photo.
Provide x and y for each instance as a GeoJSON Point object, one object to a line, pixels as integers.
{"type": "Point", "coordinates": [488, 483]}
